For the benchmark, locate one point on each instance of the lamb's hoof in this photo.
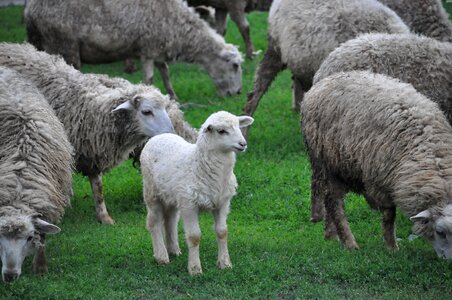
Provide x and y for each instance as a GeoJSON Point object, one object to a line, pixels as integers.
{"type": "Point", "coordinates": [224, 264]}
{"type": "Point", "coordinates": [195, 270]}
{"type": "Point", "coordinates": [162, 260]}
{"type": "Point", "coordinates": [175, 252]}
{"type": "Point", "coordinates": [105, 219]}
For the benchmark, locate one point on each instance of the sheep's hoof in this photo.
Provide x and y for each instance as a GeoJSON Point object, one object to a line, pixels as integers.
{"type": "Point", "coordinates": [331, 235]}
{"type": "Point", "coordinates": [392, 248]}
{"type": "Point", "coordinates": [351, 245]}
{"type": "Point", "coordinates": [195, 270]}
{"type": "Point", "coordinates": [105, 219]}
{"type": "Point", "coordinates": [224, 264]}
{"type": "Point", "coordinates": [316, 218]}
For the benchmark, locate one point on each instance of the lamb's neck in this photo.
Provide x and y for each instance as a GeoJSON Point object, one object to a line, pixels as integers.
{"type": "Point", "coordinates": [214, 164]}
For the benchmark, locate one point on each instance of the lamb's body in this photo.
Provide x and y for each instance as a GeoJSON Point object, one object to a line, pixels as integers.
{"type": "Point", "coordinates": [303, 32]}
{"type": "Point", "coordinates": [374, 135]}
{"type": "Point", "coordinates": [35, 168]}
{"type": "Point", "coordinates": [179, 176]}
{"type": "Point", "coordinates": [237, 10]}
{"type": "Point", "coordinates": [109, 30]}
{"type": "Point", "coordinates": [426, 17]}
{"type": "Point", "coordinates": [84, 102]}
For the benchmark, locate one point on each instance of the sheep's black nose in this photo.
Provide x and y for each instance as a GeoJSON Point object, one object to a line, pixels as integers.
{"type": "Point", "coordinates": [9, 277]}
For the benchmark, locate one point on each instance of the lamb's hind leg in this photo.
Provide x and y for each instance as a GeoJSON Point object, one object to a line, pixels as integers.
{"type": "Point", "coordinates": [334, 204]}
{"type": "Point", "coordinates": [164, 72]}
{"type": "Point", "coordinates": [101, 209]}
{"type": "Point", "coordinates": [267, 70]}
{"type": "Point", "coordinates": [389, 227]}
{"type": "Point", "coordinates": [154, 224]}
{"type": "Point", "coordinates": [39, 260]}
{"type": "Point", "coordinates": [171, 220]}
{"type": "Point", "coordinates": [221, 229]}
{"type": "Point", "coordinates": [193, 237]}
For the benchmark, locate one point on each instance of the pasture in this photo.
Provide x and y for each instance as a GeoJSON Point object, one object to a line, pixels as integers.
{"type": "Point", "coordinates": [276, 252]}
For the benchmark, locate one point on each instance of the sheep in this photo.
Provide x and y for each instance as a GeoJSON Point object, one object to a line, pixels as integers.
{"type": "Point", "coordinates": [160, 31]}
{"type": "Point", "coordinates": [35, 174]}
{"type": "Point", "coordinates": [427, 17]}
{"type": "Point", "coordinates": [182, 177]}
{"type": "Point", "coordinates": [105, 118]}
{"type": "Point", "coordinates": [403, 56]}
{"type": "Point", "coordinates": [377, 136]}
{"type": "Point", "coordinates": [237, 10]}
{"type": "Point", "coordinates": [303, 32]}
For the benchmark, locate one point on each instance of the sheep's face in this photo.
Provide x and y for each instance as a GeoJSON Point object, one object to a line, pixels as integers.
{"type": "Point", "coordinates": [222, 131]}
{"type": "Point", "coordinates": [19, 237]}
{"type": "Point", "coordinates": [226, 71]}
{"type": "Point", "coordinates": [441, 227]}
{"type": "Point", "coordinates": [149, 111]}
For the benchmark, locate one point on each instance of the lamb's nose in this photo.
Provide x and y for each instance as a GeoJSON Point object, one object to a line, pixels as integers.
{"type": "Point", "coordinates": [243, 144]}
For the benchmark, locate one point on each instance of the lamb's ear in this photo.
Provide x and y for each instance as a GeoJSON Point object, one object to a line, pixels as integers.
{"type": "Point", "coordinates": [123, 106]}
{"type": "Point", "coordinates": [245, 121]}
{"type": "Point", "coordinates": [422, 216]}
{"type": "Point", "coordinates": [45, 227]}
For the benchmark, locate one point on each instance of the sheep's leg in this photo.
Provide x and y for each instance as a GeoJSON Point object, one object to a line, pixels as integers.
{"type": "Point", "coordinates": [334, 204]}
{"type": "Point", "coordinates": [300, 87]}
{"type": "Point", "coordinates": [129, 66]}
{"type": "Point", "coordinates": [220, 21]}
{"type": "Point", "coordinates": [267, 70]}
{"type": "Point", "coordinates": [221, 230]}
{"type": "Point", "coordinates": [164, 71]}
{"type": "Point", "coordinates": [389, 228]}
{"type": "Point", "coordinates": [171, 220]}
{"type": "Point", "coordinates": [154, 224]}
{"type": "Point", "coordinates": [193, 237]}
{"type": "Point", "coordinates": [317, 195]}
{"type": "Point", "coordinates": [39, 260]}
{"type": "Point", "coordinates": [237, 14]}
{"type": "Point", "coordinates": [69, 49]}
{"type": "Point", "coordinates": [101, 209]}
{"type": "Point", "coordinates": [148, 70]}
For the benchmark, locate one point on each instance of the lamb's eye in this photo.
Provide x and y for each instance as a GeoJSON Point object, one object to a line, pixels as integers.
{"type": "Point", "coordinates": [29, 238]}
{"type": "Point", "coordinates": [441, 233]}
{"type": "Point", "coordinates": [222, 131]}
{"type": "Point", "coordinates": [147, 112]}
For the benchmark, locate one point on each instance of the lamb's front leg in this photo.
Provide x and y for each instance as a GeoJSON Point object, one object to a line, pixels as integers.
{"type": "Point", "coordinates": [221, 230]}
{"type": "Point", "coordinates": [101, 209]}
{"type": "Point", "coordinates": [193, 236]}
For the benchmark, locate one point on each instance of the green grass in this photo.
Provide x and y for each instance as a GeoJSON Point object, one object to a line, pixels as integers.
{"type": "Point", "coordinates": [277, 253]}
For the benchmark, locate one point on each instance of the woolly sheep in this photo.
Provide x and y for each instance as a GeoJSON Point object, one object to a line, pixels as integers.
{"type": "Point", "coordinates": [427, 17]}
{"type": "Point", "coordinates": [186, 178]}
{"type": "Point", "coordinates": [84, 102]}
{"type": "Point", "coordinates": [35, 174]}
{"type": "Point", "coordinates": [374, 135]}
{"type": "Point", "coordinates": [303, 32]}
{"type": "Point", "coordinates": [161, 31]}
{"type": "Point", "coordinates": [423, 62]}
{"type": "Point", "coordinates": [237, 10]}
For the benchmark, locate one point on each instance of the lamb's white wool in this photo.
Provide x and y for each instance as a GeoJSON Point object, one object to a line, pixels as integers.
{"type": "Point", "coordinates": [179, 177]}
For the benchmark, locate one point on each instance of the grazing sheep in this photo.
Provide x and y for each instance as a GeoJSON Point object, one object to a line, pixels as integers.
{"type": "Point", "coordinates": [35, 174]}
{"type": "Point", "coordinates": [155, 31]}
{"type": "Point", "coordinates": [237, 10]}
{"type": "Point", "coordinates": [303, 32]}
{"type": "Point", "coordinates": [84, 103]}
{"type": "Point", "coordinates": [421, 61]}
{"type": "Point", "coordinates": [427, 17]}
{"type": "Point", "coordinates": [179, 176]}
{"type": "Point", "coordinates": [374, 135]}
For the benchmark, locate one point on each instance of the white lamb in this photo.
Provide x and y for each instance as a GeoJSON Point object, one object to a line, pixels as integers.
{"type": "Point", "coordinates": [188, 178]}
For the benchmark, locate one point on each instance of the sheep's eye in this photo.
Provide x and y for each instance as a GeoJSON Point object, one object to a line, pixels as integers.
{"type": "Point", "coordinates": [441, 233]}
{"type": "Point", "coordinates": [147, 112]}
{"type": "Point", "coordinates": [222, 131]}
{"type": "Point", "coordinates": [236, 67]}
{"type": "Point", "coordinates": [29, 238]}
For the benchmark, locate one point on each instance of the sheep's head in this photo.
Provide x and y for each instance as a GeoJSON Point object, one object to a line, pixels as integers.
{"type": "Point", "coordinates": [20, 237]}
{"type": "Point", "coordinates": [149, 110]}
{"type": "Point", "coordinates": [436, 227]}
{"type": "Point", "coordinates": [226, 71]}
{"type": "Point", "coordinates": [222, 132]}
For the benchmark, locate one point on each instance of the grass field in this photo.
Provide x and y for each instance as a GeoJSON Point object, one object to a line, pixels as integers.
{"type": "Point", "coordinates": [276, 252]}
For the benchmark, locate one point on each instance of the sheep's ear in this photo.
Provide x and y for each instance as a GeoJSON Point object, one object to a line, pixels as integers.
{"type": "Point", "coordinates": [423, 216]}
{"type": "Point", "coordinates": [245, 121]}
{"type": "Point", "coordinates": [45, 227]}
{"type": "Point", "coordinates": [123, 106]}
{"type": "Point", "coordinates": [228, 55]}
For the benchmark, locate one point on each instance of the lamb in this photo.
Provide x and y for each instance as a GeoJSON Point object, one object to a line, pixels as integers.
{"type": "Point", "coordinates": [35, 174]}
{"type": "Point", "coordinates": [161, 31]}
{"type": "Point", "coordinates": [237, 10]}
{"type": "Point", "coordinates": [426, 17]}
{"type": "Point", "coordinates": [105, 118]}
{"type": "Point", "coordinates": [403, 56]}
{"type": "Point", "coordinates": [302, 33]}
{"type": "Point", "coordinates": [187, 178]}
{"type": "Point", "coordinates": [372, 134]}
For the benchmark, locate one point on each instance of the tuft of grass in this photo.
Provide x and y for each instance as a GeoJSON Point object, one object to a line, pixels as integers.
{"type": "Point", "coordinates": [277, 253]}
